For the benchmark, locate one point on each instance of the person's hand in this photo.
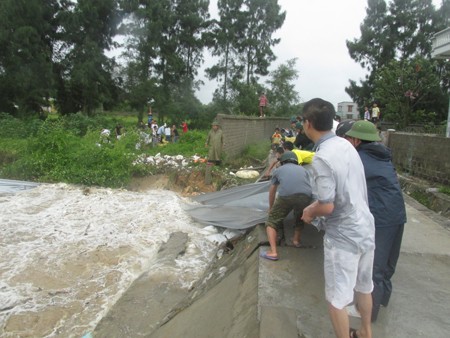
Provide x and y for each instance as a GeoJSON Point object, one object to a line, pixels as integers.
{"type": "Point", "coordinates": [307, 215]}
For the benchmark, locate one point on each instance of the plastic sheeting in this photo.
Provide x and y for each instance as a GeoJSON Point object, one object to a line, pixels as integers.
{"type": "Point", "coordinates": [237, 208]}
{"type": "Point", "coordinates": [240, 207]}
{"type": "Point", "coordinates": [12, 186]}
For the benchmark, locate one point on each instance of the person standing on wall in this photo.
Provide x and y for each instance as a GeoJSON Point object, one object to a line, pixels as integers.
{"type": "Point", "coordinates": [366, 114]}
{"type": "Point", "coordinates": [263, 102]}
{"type": "Point", "coordinates": [375, 114]}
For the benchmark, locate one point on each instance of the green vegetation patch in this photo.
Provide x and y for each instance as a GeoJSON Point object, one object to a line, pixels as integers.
{"type": "Point", "coordinates": [445, 190]}
{"type": "Point", "coordinates": [71, 149]}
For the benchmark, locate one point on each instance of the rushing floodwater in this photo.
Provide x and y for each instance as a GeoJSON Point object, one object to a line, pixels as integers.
{"type": "Point", "coordinates": [68, 253]}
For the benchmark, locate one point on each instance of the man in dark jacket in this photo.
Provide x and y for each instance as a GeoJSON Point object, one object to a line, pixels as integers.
{"type": "Point", "coordinates": [301, 140]}
{"type": "Point", "coordinates": [386, 205]}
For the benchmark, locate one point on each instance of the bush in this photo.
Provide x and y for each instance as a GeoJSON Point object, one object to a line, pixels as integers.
{"type": "Point", "coordinates": [189, 144]}
{"type": "Point", "coordinates": [12, 127]}
{"type": "Point", "coordinates": [253, 155]}
{"type": "Point", "coordinates": [445, 190]}
{"type": "Point", "coordinates": [58, 155]}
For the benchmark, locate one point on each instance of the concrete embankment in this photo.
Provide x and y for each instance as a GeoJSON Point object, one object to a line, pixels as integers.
{"type": "Point", "coordinates": [243, 295]}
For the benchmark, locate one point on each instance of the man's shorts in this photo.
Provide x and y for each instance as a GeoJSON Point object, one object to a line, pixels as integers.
{"type": "Point", "coordinates": [346, 272]}
{"type": "Point", "coordinates": [283, 206]}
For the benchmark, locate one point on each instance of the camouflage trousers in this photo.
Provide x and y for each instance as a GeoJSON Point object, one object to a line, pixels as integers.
{"type": "Point", "coordinates": [283, 206]}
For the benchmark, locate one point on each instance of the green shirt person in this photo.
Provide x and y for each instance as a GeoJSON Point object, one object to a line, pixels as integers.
{"type": "Point", "coordinates": [215, 143]}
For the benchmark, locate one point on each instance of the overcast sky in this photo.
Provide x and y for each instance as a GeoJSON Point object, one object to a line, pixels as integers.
{"type": "Point", "coordinates": [314, 32]}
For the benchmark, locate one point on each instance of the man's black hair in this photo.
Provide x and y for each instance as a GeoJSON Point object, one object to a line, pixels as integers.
{"type": "Point", "coordinates": [280, 150]}
{"type": "Point", "coordinates": [319, 113]}
{"type": "Point", "coordinates": [288, 145]}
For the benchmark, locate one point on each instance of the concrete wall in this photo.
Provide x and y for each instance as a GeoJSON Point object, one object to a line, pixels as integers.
{"type": "Point", "coordinates": [421, 155]}
{"type": "Point", "coordinates": [239, 131]}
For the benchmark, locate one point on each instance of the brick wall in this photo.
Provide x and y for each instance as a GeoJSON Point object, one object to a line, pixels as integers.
{"type": "Point", "coordinates": [239, 131]}
{"type": "Point", "coordinates": [421, 155]}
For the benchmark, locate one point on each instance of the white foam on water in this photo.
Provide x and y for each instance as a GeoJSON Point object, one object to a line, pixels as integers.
{"type": "Point", "coordinates": [67, 253]}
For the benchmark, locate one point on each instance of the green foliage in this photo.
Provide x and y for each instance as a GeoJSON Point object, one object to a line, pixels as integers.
{"type": "Point", "coordinates": [399, 31]}
{"type": "Point", "coordinates": [421, 197]}
{"type": "Point", "coordinates": [243, 40]}
{"type": "Point", "coordinates": [70, 149]}
{"type": "Point", "coordinates": [12, 127]}
{"type": "Point", "coordinates": [164, 52]}
{"type": "Point", "coordinates": [246, 98]}
{"type": "Point", "coordinates": [283, 97]}
{"type": "Point", "coordinates": [445, 190]}
{"type": "Point", "coordinates": [253, 155]}
{"type": "Point", "coordinates": [58, 155]}
{"type": "Point", "coordinates": [27, 28]}
{"type": "Point", "coordinates": [257, 151]}
{"type": "Point", "coordinates": [409, 92]}
{"type": "Point", "coordinates": [54, 55]}
{"type": "Point", "coordinates": [85, 80]}
{"type": "Point", "coordinates": [189, 144]}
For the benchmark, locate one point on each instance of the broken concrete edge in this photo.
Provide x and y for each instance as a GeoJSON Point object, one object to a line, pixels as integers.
{"type": "Point", "coordinates": [237, 251]}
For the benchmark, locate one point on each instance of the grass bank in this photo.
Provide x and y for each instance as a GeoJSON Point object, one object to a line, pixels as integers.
{"type": "Point", "coordinates": [72, 149]}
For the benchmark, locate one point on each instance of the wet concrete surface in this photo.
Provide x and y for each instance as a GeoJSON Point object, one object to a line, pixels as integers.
{"type": "Point", "coordinates": [249, 296]}
{"type": "Point", "coordinates": [419, 305]}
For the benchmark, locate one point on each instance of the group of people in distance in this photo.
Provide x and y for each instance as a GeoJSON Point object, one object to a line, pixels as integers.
{"type": "Point", "coordinates": [373, 116]}
{"type": "Point", "coordinates": [350, 190]}
{"type": "Point", "coordinates": [164, 133]}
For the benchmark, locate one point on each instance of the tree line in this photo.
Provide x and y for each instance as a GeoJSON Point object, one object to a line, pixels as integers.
{"type": "Point", "coordinates": [395, 48]}
{"type": "Point", "coordinates": [55, 52]}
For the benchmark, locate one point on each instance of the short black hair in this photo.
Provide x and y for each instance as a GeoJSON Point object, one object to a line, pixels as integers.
{"type": "Point", "coordinates": [288, 145]}
{"type": "Point", "coordinates": [319, 113]}
{"type": "Point", "coordinates": [280, 150]}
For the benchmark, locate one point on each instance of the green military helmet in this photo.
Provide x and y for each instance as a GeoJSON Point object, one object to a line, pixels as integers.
{"type": "Point", "coordinates": [288, 157]}
{"type": "Point", "coordinates": [298, 125]}
{"type": "Point", "coordinates": [364, 130]}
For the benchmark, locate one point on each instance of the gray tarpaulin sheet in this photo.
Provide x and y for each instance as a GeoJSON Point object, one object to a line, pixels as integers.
{"type": "Point", "coordinates": [12, 186]}
{"type": "Point", "coordinates": [235, 208]}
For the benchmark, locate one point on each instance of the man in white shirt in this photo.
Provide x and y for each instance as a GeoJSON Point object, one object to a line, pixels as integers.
{"type": "Point", "coordinates": [342, 206]}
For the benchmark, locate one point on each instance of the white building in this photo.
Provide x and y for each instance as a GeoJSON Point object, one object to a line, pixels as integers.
{"type": "Point", "coordinates": [348, 111]}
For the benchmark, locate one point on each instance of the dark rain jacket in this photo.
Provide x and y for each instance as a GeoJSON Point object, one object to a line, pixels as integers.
{"type": "Point", "coordinates": [303, 142]}
{"type": "Point", "coordinates": [385, 195]}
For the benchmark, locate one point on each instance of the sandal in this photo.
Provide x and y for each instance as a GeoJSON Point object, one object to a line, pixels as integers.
{"type": "Point", "coordinates": [266, 256]}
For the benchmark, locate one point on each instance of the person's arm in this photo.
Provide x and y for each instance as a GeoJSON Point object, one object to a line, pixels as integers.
{"type": "Point", "coordinates": [274, 163]}
{"type": "Point", "coordinates": [317, 209]}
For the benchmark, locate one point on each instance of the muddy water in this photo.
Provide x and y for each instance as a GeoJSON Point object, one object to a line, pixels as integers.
{"type": "Point", "coordinates": [67, 254]}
